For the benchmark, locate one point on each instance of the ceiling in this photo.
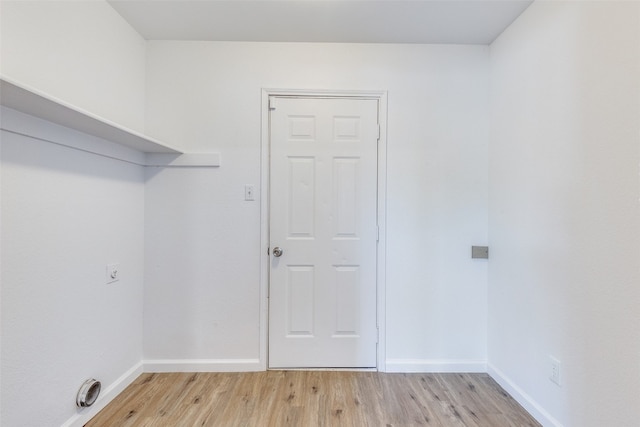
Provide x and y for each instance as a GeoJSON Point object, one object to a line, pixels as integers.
{"type": "Point", "coordinates": [353, 21]}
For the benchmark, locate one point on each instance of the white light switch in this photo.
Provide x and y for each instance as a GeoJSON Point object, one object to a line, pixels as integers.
{"type": "Point", "coordinates": [249, 192]}
{"type": "Point", "coordinates": [113, 273]}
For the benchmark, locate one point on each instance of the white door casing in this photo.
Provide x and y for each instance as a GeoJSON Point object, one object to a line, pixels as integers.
{"type": "Point", "coordinates": [323, 215]}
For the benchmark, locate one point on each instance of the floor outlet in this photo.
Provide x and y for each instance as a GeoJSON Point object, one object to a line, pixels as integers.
{"type": "Point", "coordinates": [554, 374]}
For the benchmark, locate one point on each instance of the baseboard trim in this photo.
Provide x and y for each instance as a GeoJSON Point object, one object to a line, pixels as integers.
{"type": "Point", "coordinates": [436, 365]}
{"type": "Point", "coordinates": [527, 402]}
{"type": "Point", "coordinates": [203, 365]}
{"type": "Point", "coordinates": [252, 365]}
{"type": "Point", "coordinates": [106, 396]}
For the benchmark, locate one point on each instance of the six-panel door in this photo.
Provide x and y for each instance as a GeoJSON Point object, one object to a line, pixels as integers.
{"type": "Point", "coordinates": [323, 198]}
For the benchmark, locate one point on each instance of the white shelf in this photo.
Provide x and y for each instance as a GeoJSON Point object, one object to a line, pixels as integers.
{"type": "Point", "coordinates": [29, 101]}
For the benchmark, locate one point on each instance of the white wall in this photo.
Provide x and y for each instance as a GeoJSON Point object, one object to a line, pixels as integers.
{"type": "Point", "coordinates": [563, 211]}
{"type": "Point", "coordinates": [82, 52]}
{"type": "Point", "coordinates": [66, 214]}
{"type": "Point", "coordinates": [563, 205]}
{"type": "Point", "coordinates": [203, 240]}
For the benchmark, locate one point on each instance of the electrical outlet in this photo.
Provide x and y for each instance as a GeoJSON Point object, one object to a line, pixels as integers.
{"type": "Point", "coordinates": [554, 370]}
{"type": "Point", "coordinates": [113, 273]}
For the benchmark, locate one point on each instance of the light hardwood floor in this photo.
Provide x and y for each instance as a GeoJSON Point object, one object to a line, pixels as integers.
{"type": "Point", "coordinates": [313, 398]}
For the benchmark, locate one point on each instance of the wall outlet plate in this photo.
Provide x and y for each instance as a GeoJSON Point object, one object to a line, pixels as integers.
{"type": "Point", "coordinates": [113, 273]}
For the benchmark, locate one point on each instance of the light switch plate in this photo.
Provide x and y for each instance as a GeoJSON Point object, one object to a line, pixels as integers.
{"type": "Point", "coordinates": [249, 192]}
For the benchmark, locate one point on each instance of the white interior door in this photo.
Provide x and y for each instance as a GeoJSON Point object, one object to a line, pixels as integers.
{"type": "Point", "coordinates": [323, 226]}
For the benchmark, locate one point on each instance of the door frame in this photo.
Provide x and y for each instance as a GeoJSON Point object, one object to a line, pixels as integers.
{"type": "Point", "coordinates": [381, 97]}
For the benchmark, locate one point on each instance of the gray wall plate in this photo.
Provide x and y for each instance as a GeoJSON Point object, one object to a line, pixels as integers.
{"type": "Point", "coordinates": [480, 252]}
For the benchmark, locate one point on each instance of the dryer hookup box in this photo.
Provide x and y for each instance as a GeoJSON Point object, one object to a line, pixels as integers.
{"type": "Point", "coordinates": [480, 252]}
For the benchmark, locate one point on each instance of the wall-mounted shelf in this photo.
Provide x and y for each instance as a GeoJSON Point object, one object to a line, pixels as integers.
{"type": "Point", "coordinates": [35, 103]}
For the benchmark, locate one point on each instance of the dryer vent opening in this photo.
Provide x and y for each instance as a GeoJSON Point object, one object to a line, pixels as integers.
{"type": "Point", "coordinates": [88, 393]}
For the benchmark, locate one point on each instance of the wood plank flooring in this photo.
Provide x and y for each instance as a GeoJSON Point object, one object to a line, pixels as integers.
{"type": "Point", "coordinates": [313, 398]}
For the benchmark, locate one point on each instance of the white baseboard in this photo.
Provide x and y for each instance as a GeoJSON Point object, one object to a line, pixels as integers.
{"type": "Point", "coordinates": [527, 402]}
{"type": "Point", "coordinates": [203, 365]}
{"type": "Point", "coordinates": [251, 365]}
{"type": "Point", "coordinates": [107, 395]}
{"type": "Point", "coordinates": [436, 365]}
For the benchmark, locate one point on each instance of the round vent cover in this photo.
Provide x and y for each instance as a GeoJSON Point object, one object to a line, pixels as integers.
{"type": "Point", "coordinates": [88, 393]}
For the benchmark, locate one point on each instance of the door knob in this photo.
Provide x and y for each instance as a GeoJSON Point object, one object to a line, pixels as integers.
{"type": "Point", "coordinates": [277, 252]}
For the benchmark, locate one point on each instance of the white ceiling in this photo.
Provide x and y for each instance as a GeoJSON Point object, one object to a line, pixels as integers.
{"type": "Point", "coordinates": [354, 21]}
